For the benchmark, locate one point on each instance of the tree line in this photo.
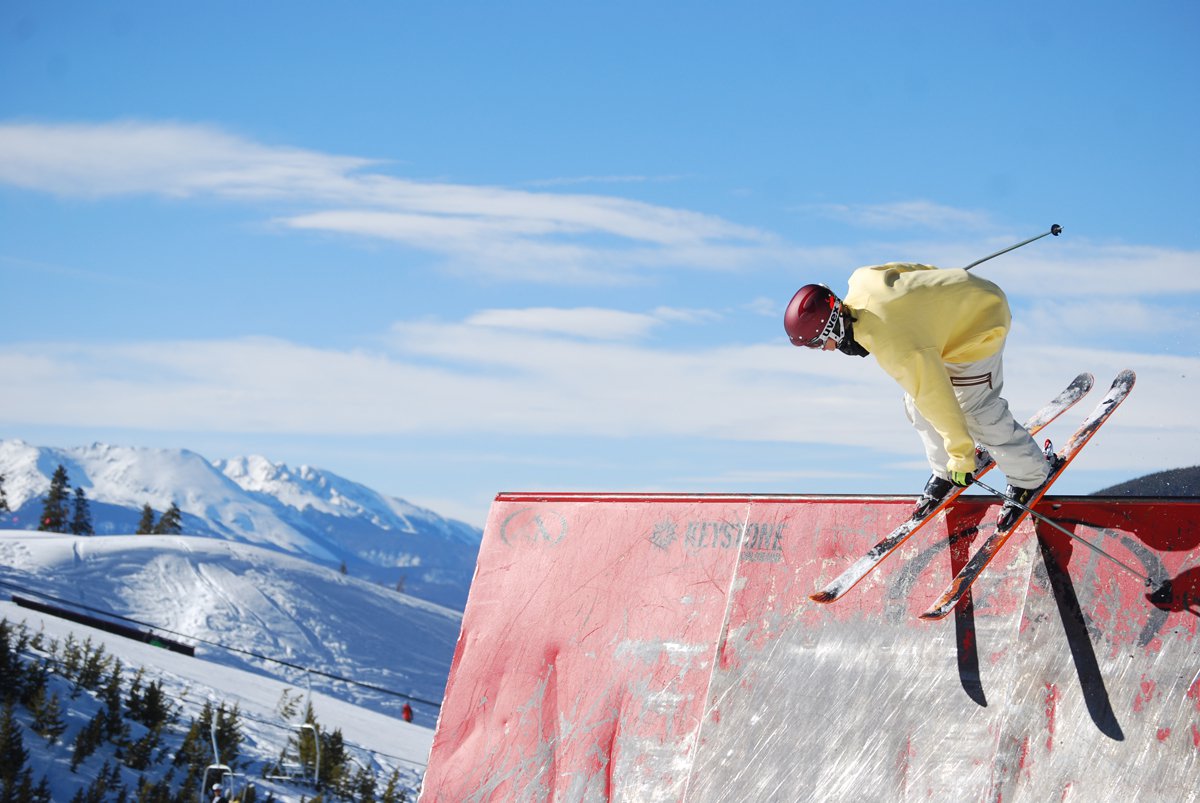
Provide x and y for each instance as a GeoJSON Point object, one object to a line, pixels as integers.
{"type": "Point", "coordinates": [67, 511]}
{"type": "Point", "coordinates": [134, 728]}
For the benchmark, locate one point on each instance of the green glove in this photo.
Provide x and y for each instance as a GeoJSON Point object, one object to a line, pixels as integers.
{"type": "Point", "coordinates": [962, 478]}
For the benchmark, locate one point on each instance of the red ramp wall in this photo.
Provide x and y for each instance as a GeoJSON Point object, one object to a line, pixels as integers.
{"type": "Point", "coordinates": [663, 648]}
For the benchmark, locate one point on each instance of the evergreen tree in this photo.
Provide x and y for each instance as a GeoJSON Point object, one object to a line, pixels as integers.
{"type": "Point", "coordinates": [105, 786]}
{"type": "Point", "coordinates": [81, 518]}
{"type": "Point", "coordinates": [196, 751]}
{"type": "Point", "coordinates": [157, 710]}
{"type": "Point", "coordinates": [89, 738]}
{"type": "Point", "coordinates": [155, 791]}
{"type": "Point", "coordinates": [92, 667]}
{"type": "Point", "coordinates": [115, 729]}
{"type": "Point", "coordinates": [146, 524]}
{"type": "Point", "coordinates": [13, 754]}
{"type": "Point", "coordinates": [335, 769]}
{"type": "Point", "coordinates": [140, 754]}
{"type": "Point", "coordinates": [41, 794]}
{"type": "Point", "coordinates": [171, 522]}
{"type": "Point", "coordinates": [3, 497]}
{"type": "Point", "coordinates": [362, 787]}
{"type": "Point", "coordinates": [392, 793]}
{"type": "Point", "coordinates": [10, 665]}
{"type": "Point", "coordinates": [54, 505]}
{"type": "Point", "coordinates": [47, 716]}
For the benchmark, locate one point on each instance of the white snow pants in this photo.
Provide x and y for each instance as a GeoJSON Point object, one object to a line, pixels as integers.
{"type": "Point", "coordinates": [977, 386]}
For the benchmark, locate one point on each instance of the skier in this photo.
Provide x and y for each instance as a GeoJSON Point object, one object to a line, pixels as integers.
{"type": "Point", "coordinates": [940, 334]}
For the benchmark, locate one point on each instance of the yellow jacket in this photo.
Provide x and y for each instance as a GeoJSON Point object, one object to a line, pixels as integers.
{"type": "Point", "coordinates": [917, 318]}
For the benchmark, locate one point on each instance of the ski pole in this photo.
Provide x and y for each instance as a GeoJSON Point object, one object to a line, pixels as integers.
{"type": "Point", "coordinates": [1055, 230]}
{"type": "Point", "coordinates": [1163, 589]}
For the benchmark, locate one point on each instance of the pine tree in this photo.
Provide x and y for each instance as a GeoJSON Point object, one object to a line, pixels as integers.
{"type": "Point", "coordinates": [10, 665]}
{"type": "Point", "coordinates": [93, 666]}
{"type": "Point", "coordinates": [335, 771]}
{"type": "Point", "coordinates": [90, 737]}
{"type": "Point", "coordinates": [392, 793]}
{"type": "Point", "coordinates": [171, 522]}
{"type": "Point", "coordinates": [196, 751]}
{"type": "Point", "coordinates": [72, 659]}
{"type": "Point", "coordinates": [13, 754]}
{"type": "Point", "coordinates": [3, 497]}
{"type": "Point", "coordinates": [115, 729]}
{"type": "Point", "coordinates": [81, 518]}
{"type": "Point", "coordinates": [42, 794]}
{"type": "Point", "coordinates": [140, 753]}
{"type": "Point", "coordinates": [229, 734]}
{"type": "Point", "coordinates": [47, 716]}
{"type": "Point", "coordinates": [146, 524]}
{"type": "Point", "coordinates": [157, 708]}
{"type": "Point", "coordinates": [54, 506]}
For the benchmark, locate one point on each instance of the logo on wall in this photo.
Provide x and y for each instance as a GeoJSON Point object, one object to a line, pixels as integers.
{"type": "Point", "coordinates": [533, 526]}
{"type": "Point", "coordinates": [759, 541]}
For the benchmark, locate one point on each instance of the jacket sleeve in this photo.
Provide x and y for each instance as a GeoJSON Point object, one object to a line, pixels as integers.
{"type": "Point", "coordinates": [923, 376]}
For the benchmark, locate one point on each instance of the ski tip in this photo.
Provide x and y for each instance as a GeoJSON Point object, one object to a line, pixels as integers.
{"type": "Point", "coordinates": [936, 613]}
{"type": "Point", "coordinates": [824, 597]}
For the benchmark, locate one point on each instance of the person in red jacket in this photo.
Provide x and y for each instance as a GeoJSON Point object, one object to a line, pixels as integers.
{"type": "Point", "coordinates": [940, 334]}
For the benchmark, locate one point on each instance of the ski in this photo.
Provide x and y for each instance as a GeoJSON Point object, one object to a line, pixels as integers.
{"type": "Point", "coordinates": [961, 583]}
{"type": "Point", "coordinates": [1075, 391]}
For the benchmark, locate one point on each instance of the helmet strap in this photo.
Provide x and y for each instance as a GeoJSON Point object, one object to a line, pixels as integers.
{"type": "Point", "coordinates": [848, 345]}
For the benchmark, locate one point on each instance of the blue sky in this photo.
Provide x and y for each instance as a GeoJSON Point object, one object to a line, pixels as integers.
{"type": "Point", "coordinates": [451, 249]}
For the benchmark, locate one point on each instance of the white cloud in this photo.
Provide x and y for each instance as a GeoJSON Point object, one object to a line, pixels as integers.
{"type": "Point", "coordinates": [585, 322]}
{"type": "Point", "coordinates": [514, 373]}
{"type": "Point", "coordinates": [91, 160]}
{"type": "Point", "coordinates": [569, 180]}
{"type": "Point", "coordinates": [1082, 268]}
{"type": "Point", "coordinates": [546, 236]}
{"type": "Point", "coordinates": [904, 215]}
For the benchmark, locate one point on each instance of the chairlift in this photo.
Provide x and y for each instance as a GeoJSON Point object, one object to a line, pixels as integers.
{"type": "Point", "coordinates": [218, 773]}
{"type": "Point", "coordinates": [296, 772]}
{"type": "Point", "coordinates": [233, 784]}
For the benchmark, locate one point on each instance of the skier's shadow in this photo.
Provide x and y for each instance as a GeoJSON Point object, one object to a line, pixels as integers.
{"type": "Point", "coordinates": [963, 525]}
{"type": "Point", "coordinates": [1056, 554]}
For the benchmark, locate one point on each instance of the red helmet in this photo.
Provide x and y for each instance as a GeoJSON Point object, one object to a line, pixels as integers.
{"type": "Point", "coordinates": [813, 316]}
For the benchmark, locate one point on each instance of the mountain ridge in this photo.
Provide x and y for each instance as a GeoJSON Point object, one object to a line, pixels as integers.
{"type": "Point", "coordinates": [305, 512]}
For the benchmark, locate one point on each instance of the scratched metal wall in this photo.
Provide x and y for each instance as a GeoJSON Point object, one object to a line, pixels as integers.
{"type": "Point", "coordinates": [664, 648]}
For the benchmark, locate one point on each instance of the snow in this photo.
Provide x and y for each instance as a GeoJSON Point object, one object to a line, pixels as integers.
{"type": "Point", "coordinates": [375, 739]}
{"type": "Point", "coordinates": [235, 602]}
{"type": "Point", "coordinates": [284, 580]}
{"type": "Point", "coordinates": [305, 512]}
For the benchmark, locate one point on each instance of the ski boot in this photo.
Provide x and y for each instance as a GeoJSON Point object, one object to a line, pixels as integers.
{"type": "Point", "coordinates": [936, 490]}
{"type": "Point", "coordinates": [1018, 498]}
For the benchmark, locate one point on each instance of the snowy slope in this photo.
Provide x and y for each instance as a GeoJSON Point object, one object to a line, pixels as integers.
{"type": "Point", "coordinates": [380, 742]}
{"type": "Point", "coordinates": [305, 512]}
{"type": "Point", "coordinates": [254, 600]}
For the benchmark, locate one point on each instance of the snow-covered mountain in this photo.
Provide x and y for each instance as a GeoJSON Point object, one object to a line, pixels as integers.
{"type": "Point", "coordinates": [305, 512]}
